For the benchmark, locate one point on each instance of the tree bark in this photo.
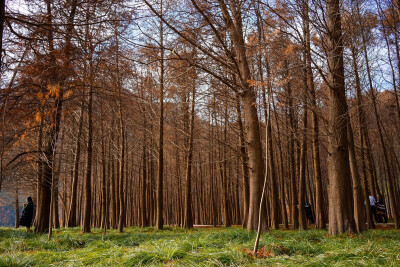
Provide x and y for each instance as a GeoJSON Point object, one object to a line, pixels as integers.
{"type": "Point", "coordinates": [245, 168]}
{"type": "Point", "coordinates": [88, 177]}
{"type": "Point", "coordinates": [358, 196]}
{"type": "Point", "coordinates": [188, 216]}
{"type": "Point", "coordinates": [303, 156]}
{"type": "Point", "coordinates": [256, 165]}
{"type": "Point", "coordinates": [160, 178]}
{"type": "Point", "coordinates": [341, 218]}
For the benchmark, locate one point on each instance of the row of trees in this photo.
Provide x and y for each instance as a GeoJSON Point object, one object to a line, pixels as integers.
{"type": "Point", "coordinates": [120, 113]}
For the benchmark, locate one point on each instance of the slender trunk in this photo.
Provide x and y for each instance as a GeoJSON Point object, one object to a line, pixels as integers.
{"type": "Point", "coordinates": [358, 196]}
{"type": "Point", "coordinates": [16, 206]}
{"type": "Point", "coordinates": [307, 80]}
{"type": "Point", "coordinates": [160, 178]}
{"type": "Point", "coordinates": [292, 166]}
{"type": "Point", "coordinates": [88, 183]}
{"type": "Point", "coordinates": [319, 200]}
{"type": "Point", "coordinates": [226, 206]}
{"type": "Point", "coordinates": [144, 221]}
{"type": "Point", "coordinates": [104, 207]}
{"type": "Point", "coordinates": [39, 168]}
{"type": "Point", "coordinates": [303, 157]}
{"type": "Point", "coordinates": [72, 218]}
{"type": "Point", "coordinates": [245, 168]}
{"type": "Point", "coordinates": [272, 175]}
{"type": "Point", "coordinates": [188, 216]}
{"type": "Point", "coordinates": [121, 126]}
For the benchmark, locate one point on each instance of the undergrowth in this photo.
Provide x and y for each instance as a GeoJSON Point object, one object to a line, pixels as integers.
{"type": "Point", "coordinates": [198, 247]}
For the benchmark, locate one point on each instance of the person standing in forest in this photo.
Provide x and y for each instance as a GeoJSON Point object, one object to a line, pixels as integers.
{"type": "Point", "coordinates": [372, 203]}
{"type": "Point", "coordinates": [381, 209]}
{"type": "Point", "coordinates": [309, 212]}
{"type": "Point", "coordinates": [27, 215]}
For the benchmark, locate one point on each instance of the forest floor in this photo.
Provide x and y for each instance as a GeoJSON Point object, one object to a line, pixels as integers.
{"type": "Point", "coordinates": [198, 247]}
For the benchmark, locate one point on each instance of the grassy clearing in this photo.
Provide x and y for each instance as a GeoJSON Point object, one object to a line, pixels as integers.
{"type": "Point", "coordinates": [198, 247]}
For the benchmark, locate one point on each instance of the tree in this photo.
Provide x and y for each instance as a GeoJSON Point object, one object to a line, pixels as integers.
{"type": "Point", "coordinates": [159, 219]}
{"type": "Point", "coordinates": [341, 217]}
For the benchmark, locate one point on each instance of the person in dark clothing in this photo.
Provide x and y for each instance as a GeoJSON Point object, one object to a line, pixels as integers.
{"type": "Point", "coordinates": [381, 209]}
{"type": "Point", "coordinates": [27, 215]}
{"type": "Point", "coordinates": [309, 212]}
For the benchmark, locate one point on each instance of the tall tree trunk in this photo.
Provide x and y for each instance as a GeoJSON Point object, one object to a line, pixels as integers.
{"type": "Point", "coordinates": [104, 204]}
{"type": "Point", "coordinates": [39, 168]}
{"type": "Point", "coordinates": [292, 166]}
{"type": "Point", "coordinates": [282, 171]}
{"type": "Point", "coordinates": [245, 168]}
{"type": "Point", "coordinates": [226, 207]}
{"type": "Point", "coordinates": [160, 178]}
{"type": "Point", "coordinates": [303, 157]}
{"type": "Point", "coordinates": [121, 126]}
{"type": "Point", "coordinates": [188, 216]}
{"type": "Point", "coordinates": [88, 183]}
{"type": "Point", "coordinates": [272, 176]}
{"type": "Point", "coordinates": [319, 200]}
{"type": "Point", "coordinates": [358, 196]}
{"type": "Point", "coordinates": [340, 207]}
{"type": "Point", "coordinates": [256, 164]}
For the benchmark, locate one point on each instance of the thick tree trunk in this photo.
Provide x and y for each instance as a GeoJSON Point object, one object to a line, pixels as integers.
{"type": "Point", "coordinates": [256, 165]}
{"type": "Point", "coordinates": [340, 207]}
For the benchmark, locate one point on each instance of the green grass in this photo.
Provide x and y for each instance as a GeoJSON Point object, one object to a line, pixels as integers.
{"type": "Point", "coordinates": [198, 247]}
